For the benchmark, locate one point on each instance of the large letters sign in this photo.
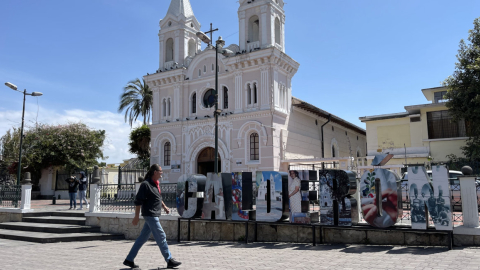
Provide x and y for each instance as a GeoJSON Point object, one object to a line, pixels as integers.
{"type": "Point", "coordinates": [434, 195]}
{"type": "Point", "coordinates": [379, 193]}
{"type": "Point", "coordinates": [214, 201]}
{"type": "Point", "coordinates": [242, 195]}
{"type": "Point", "coordinates": [229, 196]}
{"type": "Point", "coordinates": [187, 191]}
{"type": "Point", "coordinates": [270, 195]}
{"type": "Point", "coordinates": [336, 202]}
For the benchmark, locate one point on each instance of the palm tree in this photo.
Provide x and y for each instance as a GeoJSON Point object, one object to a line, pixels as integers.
{"type": "Point", "coordinates": [137, 99]}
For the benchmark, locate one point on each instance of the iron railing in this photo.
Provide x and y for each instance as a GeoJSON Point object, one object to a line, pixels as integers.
{"type": "Point", "coordinates": [10, 196]}
{"type": "Point", "coordinates": [169, 197]}
{"type": "Point", "coordinates": [117, 198]}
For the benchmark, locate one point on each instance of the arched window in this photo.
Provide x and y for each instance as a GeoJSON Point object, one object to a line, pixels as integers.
{"type": "Point", "coordinates": [254, 29]}
{"type": "Point", "coordinates": [213, 67]}
{"type": "Point", "coordinates": [168, 107]}
{"type": "Point", "coordinates": [204, 68]}
{"type": "Point", "coordinates": [225, 97]}
{"type": "Point", "coordinates": [166, 154]}
{"type": "Point", "coordinates": [277, 31]}
{"type": "Point", "coordinates": [191, 48]}
{"type": "Point", "coordinates": [254, 93]}
{"type": "Point", "coordinates": [194, 103]}
{"type": "Point", "coordinates": [199, 73]}
{"type": "Point", "coordinates": [358, 153]}
{"type": "Point", "coordinates": [333, 151]}
{"type": "Point", "coordinates": [254, 147]}
{"type": "Point", "coordinates": [249, 94]}
{"type": "Point", "coordinates": [169, 50]}
{"type": "Point", "coordinates": [164, 108]}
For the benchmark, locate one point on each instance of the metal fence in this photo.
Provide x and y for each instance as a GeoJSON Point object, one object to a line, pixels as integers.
{"type": "Point", "coordinates": [10, 196]}
{"type": "Point", "coordinates": [169, 197]}
{"type": "Point", "coordinates": [121, 197]}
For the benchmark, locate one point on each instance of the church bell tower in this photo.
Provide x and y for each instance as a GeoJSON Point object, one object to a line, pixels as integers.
{"type": "Point", "coordinates": [261, 24]}
{"type": "Point", "coordinates": [177, 36]}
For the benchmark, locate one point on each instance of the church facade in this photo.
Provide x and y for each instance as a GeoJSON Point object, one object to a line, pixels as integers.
{"type": "Point", "coordinates": [261, 126]}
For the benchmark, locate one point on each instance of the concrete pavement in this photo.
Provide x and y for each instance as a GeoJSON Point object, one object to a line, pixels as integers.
{"type": "Point", "coordinates": [212, 255]}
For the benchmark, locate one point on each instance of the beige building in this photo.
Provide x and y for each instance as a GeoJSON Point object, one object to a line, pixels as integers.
{"type": "Point", "coordinates": [261, 126]}
{"type": "Point", "coordinates": [422, 134]}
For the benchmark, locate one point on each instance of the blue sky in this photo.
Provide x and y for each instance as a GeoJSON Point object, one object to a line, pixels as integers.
{"type": "Point", "coordinates": [356, 58]}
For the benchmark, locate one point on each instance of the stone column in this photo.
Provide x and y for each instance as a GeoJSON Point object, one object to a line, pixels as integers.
{"type": "Point", "coordinates": [161, 51]}
{"type": "Point", "coordinates": [238, 91]}
{"type": "Point", "coordinates": [176, 47]}
{"type": "Point", "coordinates": [95, 191]}
{"type": "Point", "coordinates": [94, 198]}
{"type": "Point", "coordinates": [26, 196]}
{"type": "Point", "coordinates": [263, 24]}
{"type": "Point", "coordinates": [242, 32]}
{"type": "Point", "coordinates": [469, 201]}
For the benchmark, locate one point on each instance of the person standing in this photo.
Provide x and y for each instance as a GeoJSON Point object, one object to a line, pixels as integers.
{"type": "Point", "coordinates": [149, 200]}
{"type": "Point", "coordinates": [82, 190]}
{"type": "Point", "coordinates": [72, 191]}
{"type": "Point", "coordinates": [294, 193]}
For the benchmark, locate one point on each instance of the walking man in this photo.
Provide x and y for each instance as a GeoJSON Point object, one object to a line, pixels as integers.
{"type": "Point", "coordinates": [150, 201]}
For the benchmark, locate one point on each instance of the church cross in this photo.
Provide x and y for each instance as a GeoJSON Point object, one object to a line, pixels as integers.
{"type": "Point", "coordinates": [211, 32]}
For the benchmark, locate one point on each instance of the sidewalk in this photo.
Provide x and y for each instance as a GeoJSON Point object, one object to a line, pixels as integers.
{"type": "Point", "coordinates": [218, 255]}
{"type": "Point", "coordinates": [60, 205]}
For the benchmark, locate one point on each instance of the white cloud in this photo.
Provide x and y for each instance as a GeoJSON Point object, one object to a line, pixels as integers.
{"type": "Point", "coordinates": [116, 144]}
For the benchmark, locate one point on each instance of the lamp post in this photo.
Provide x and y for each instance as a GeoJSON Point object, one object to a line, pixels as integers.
{"type": "Point", "coordinates": [218, 49]}
{"type": "Point", "coordinates": [35, 94]}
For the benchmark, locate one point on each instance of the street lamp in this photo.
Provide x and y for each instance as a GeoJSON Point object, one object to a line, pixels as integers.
{"type": "Point", "coordinates": [35, 94]}
{"type": "Point", "coordinates": [225, 52]}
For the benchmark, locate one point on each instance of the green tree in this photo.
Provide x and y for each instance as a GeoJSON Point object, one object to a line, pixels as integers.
{"type": "Point", "coordinates": [464, 90]}
{"type": "Point", "coordinates": [140, 144]}
{"type": "Point", "coordinates": [71, 146]}
{"type": "Point", "coordinates": [136, 100]}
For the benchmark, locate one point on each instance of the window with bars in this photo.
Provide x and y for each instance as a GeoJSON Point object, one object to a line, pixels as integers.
{"type": "Point", "coordinates": [225, 97]}
{"type": "Point", "coordinates": [166, 154]}
{"type": "Point", "coordinates": [254, 147]}
{"type": "Point", "coordinates": [441, 125]}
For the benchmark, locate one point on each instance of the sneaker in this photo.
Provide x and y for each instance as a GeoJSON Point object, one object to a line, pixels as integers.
{"type": "Point", "coordinates": [88, 206]}
{"type": "Point", "coordinates": [70, 208]}
{"type": "Point", "coordinates": [130, 264]}
{"type": "Point", "coordinates": [172, 263]}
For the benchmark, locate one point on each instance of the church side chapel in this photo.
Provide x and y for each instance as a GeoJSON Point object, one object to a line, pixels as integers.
{"type": "Point", "coordinates": [261, 126]}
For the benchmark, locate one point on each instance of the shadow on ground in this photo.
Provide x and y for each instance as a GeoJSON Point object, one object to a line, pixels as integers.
{"type": "Point", "coordinates": [358, 249]}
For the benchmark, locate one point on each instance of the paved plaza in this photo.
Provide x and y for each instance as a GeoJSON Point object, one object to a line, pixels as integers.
{"type": "Point", "coordinates": [212, 255]}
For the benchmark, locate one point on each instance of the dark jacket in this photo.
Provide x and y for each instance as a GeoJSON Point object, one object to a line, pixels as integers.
{"type": "Point", "coordinates": [149, 198]}
{"type": "Point", "coordinates": [83, 184]}
{"type": "Point", "coordinates": [72, 186]}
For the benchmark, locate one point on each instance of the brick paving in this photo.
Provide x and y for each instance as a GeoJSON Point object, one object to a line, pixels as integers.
{"type": "Point", "coordinates": [214, 255]}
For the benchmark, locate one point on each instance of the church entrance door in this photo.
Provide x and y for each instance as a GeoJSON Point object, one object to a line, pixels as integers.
{"type": "Point", "coordinates": [206, 161]}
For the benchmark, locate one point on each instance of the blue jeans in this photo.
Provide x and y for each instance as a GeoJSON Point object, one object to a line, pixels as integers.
{"type": "Point", "coordinates": [152, 225]}
{"type": "Point", "coordinates": [73, 197]}
{"type": "Point", "coordinates": [83, 197]}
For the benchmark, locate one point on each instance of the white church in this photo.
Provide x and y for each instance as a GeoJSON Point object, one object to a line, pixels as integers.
{"type": "Point", "coordinates": [261, 126]}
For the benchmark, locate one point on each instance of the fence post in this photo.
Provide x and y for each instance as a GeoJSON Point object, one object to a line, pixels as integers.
{"type": "Point", "coordinates": [95, 191]}
{"type": "Point", "coordinates": [468, 193]}
{"type": "Point", "coordinates": [26, 192]}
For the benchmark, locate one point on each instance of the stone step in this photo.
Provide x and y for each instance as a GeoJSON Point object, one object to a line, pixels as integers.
{"type": "Point", "coordinates": [56, 220]}
{"type": "Point", "coordinates": [48, 227]}
{"type": "Point", "coordinates": [57, 213]}
{"type": "Point", "coordinates": [39, 237]}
